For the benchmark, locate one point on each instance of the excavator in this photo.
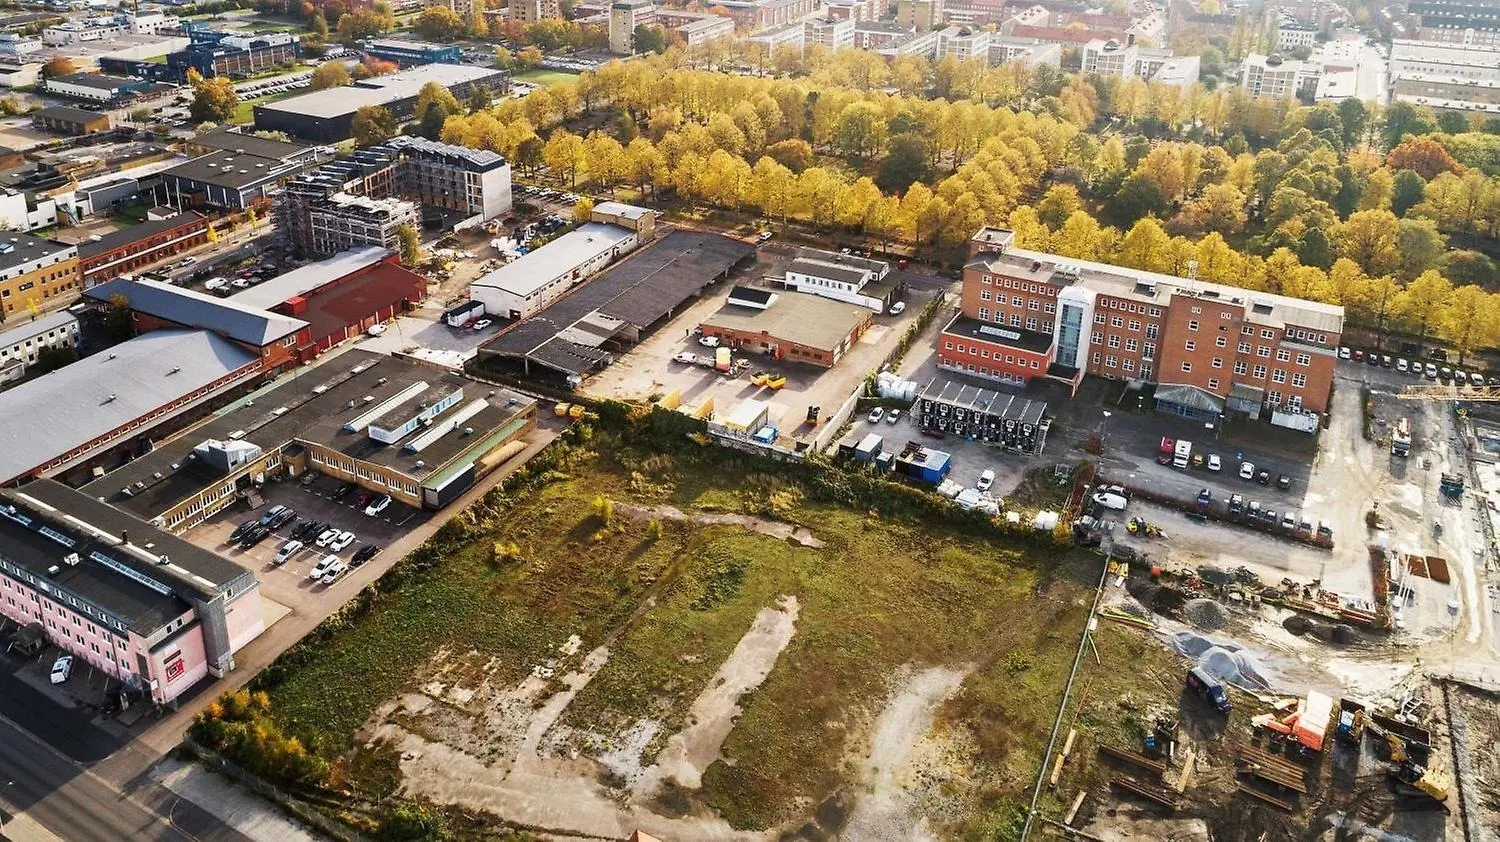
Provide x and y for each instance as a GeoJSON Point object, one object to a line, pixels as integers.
{"type": "Point", "coordinates": [1409, 775]}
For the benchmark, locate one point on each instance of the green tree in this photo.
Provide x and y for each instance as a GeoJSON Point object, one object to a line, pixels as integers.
{"type": "Point", "coordinates": [1470, 267]}
{"type": "Point", "coordinates": [1057, 204]}
{"type": "Point", "coordinates": [411, 245]}
{"type": "Point", "coordinates": [1402, 119]}
{"type": "Point", "coordinates": [650, 39]}
{"type": "Point", "coordinates": [435, 104]}
{"type": "Point", "coordinates": [51, 359]}
{"type": "Point", "coordinates": [373, 125]}
{"type": "Point", "coordinates": [1407, 190]}
{"type": "Point", "coordinates": [214, 100]}
{"type": "Point", "coordinates": [905, 162]}
{"type": "Point", "coordinates": [1138, 196]}
{"type": "Point", "coordinates": [359, 26]}
{"type": "Point", "coordinates": [1420, 245]}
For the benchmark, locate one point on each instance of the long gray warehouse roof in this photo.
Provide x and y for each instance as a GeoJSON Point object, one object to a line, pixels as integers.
{"type": "Point", "coordinates": [54, 414]}
{"type": "Point", "coordinates": [191, 308]}
{"type": "Point", "coordinates": [310, 277]}
{"type": "Point", "coordinates": [536, 269]}
{"type": "Point", "coordinates": [381, 90]}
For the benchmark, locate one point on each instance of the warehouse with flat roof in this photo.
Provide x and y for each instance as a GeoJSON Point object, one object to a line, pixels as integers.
{"type": "Point", "coordinates": [579, 333]}
{"type": "Point", "coordinates": [419, 433]}
{"type": "Point", "coordinates": [522, 288]}
{"type": "Point", "coordinates": [791, 326]}
{"type": "Point", "coordinates": [327, 116]}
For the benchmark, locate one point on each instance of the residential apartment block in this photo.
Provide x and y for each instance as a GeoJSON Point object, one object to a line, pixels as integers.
{"type": "Point", "coordinates": [963, 43]}
{"type": "Point", "coordinates": [1209, 348]}
{"type": "Point", "coordinates": [624, 17]}
{"type": "Point", "coordinates": [1112, 58]}
{"type": "Point", "coordinates": [143, 607]}
{"type": "Point", "coordinates": [1273, 77]}
{"type": "Point", "coordinates": [1453, 61]}
{"type": "Point", "coordinates": [920, 15]}
{"type": "Point", "coordinates": [531, 11]}
{"type": "Point", "coordinates": [830, 34]}
{"type": "Point", "coordinates": [364, 199]}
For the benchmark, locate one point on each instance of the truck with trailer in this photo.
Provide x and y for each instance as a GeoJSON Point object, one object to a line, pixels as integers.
{"type": "Point", "coordinates": [1401, 438]}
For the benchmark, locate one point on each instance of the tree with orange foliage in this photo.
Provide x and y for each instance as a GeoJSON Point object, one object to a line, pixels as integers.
{"type": "Point", "coordinates": [1423, 156]}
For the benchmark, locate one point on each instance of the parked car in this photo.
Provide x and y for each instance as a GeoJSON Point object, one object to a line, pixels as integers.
{"type": "Point", "coordinates": [1236, 504]}
{"type": "Point", "coordinates": [1385, 361]}
{"type": "Point", "coordinates": [378, 505]}
{"type": "Point", "coordinates": [893, 416]}
{"type": "Point", "coordinates": [341, 541]}
{"type": "Point", "coordinates": [687, 357]}
{"type": "Point", "coordinates": [364, 554]}
{"type": "Point", "coordinates": [765, 235]}
{"type": "Point", "coordinates": [898, 308]}
{"type": "Point", "coordinates": [62, 668]}
{"type": "Point", "coordinates": [1205, 497]}
{"type": "Point", "coordinates": [375, 330]}
{"type": "Point", "coordinates": [287, 550]}
{"type": "Point", "coordinates": [1112, 497]}
{"type": "Point", "coordinates": [1198, 460]}
{"type": "Point", "coordinates": [1431, 372]}
{"type": "Point", "coordinates": [334, 571]}
{"type": "Point", "coordinates": [482, 324]}
{"type": "Point", "coordinates": [1289, 521]}
{"type": "Point", "coordinates": [256, 534]}
{"type": "Point", "coordinates": [239, 531]}
{"type": "Point", "coordinates": [1402, 365]}
{"type": "Point", "coordinates": [322, 567]}
{"type": "Point", "coordinates": [1247, 470]}
{"type": "Point", "coordinates": [986, 480]}
{"type": "Point", "coordinates": [1283, 482]}
{"type": "Point", "coordinates": [1460, 378]}
{"type": "Point", "coordinates": [310, 477]}
{"type": "Point", "coordinates": [286, 517]}
{"type": "Point", "coordinates": [1477, 380]}
{"type": "Point", "coordinates": [327, 536]}
{"type": "Point", "coordinates": [1359, 355]}
{"type": "Point", "coordinates": [1445, 374]}
{"type": "Point", "coordinates": [1344, 353]}
{"type": "Point", "coordinates": [1214, 464]}
{"type": "Point", "coordinates": [708, 341]}
{"type": "Point", "coordinates": [342, 491]}
{"type": "Point", "coordinates": [876, 414]}
{"type": "Point", "coordinates": [1263, 477]}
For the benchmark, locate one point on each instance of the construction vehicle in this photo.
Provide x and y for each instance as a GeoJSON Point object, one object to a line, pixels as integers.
{"type": "Point", "coordinates": [1401, 438]}
{"type": "Point", "coordinates": [1413, 779]}
{"type": "Point", "coordinates": [1352, 721]}
{"type": "Point", "coordinates": [1452, 486]}
{"type": "Point", "coordinates": [1139, 526]}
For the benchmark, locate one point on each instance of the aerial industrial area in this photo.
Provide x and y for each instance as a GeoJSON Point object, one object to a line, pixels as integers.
{"type": "Point", "coordinates": [766, 419]}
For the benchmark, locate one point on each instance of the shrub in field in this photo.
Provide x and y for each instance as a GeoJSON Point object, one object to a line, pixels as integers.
{"type": "Point", "coordinates": [239, 725]}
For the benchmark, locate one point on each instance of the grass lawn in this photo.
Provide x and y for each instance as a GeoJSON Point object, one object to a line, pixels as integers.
{"type": "Point", "coordinates": [541, 76]}
{"type": "Point", "coordinates": [246, 113]}
{"type": "Point", "coordinates": [672, 601]}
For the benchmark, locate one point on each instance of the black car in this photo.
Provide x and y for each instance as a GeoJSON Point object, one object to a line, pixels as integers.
{"type": "Point", "coordinates": [343, 491]}
{"type": "Point", "coordinates": [1283, 482]}
{"type": "Point", "coordinates": [1264, 477]}
{"type": "Point", "coordinates": [285, 517]}
{"type": "Point", "coordinates": [308, 529]}
{"type": "Point", "coordinates": [363, 554]}
{"type": "Point", "coordinates": [239, 531]}
{"type": "Point", "coordinates": [256, 534]}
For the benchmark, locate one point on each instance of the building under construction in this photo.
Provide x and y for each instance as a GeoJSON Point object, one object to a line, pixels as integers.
{"type": "Point", "coordinates": [983, 415]}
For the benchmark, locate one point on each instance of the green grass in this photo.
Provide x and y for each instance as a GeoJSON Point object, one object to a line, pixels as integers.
{"type": "Point", "coordinates": [541, 76]}
{"type": "Point", "coordinates": [884, 593]}
{"type": "Point", "coordinates": [245, 112]}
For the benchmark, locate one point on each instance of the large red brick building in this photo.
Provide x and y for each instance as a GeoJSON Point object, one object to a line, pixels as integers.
{"type": "Point", "coordinates": [1208, 348]}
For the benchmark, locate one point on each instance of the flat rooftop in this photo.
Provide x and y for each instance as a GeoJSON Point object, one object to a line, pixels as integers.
{"type": "Point", "coordinates": [140, 231]}
{"type": "Point", "coordinates": [639, 291]}
{"type": "Point", "coordinates": [811, 321]}
{"type": "Point", "coordinates": [536, 269]}
{"type": "Point", "coordinates": [250, 144]}
{"type": "Point", "coordinates": [18, 249]}
{"type": "Point", "coordinates": [46, 418]}
{"type": "Point", "coordinates": [233, 170]}
{"type": "Point", "coordinates": [381, 90]}
{"type": "Point", "coordinates": [300, 281]}
{"type": "Point", "coordinates": [15, 332]}
{"type": "Point", "coordinates": [313, 408]}
{"type": "Point", "coordinates": [1014, 337]}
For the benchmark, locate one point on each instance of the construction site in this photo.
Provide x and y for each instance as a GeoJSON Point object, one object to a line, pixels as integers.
{"type": "Point", "coordinates": [1344, 688]}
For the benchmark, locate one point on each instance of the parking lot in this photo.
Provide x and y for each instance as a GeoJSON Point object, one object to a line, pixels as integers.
{"type": "Point", "coordinates": [288, 584]}
{"type": "Point", "coordinates": [649, 370]}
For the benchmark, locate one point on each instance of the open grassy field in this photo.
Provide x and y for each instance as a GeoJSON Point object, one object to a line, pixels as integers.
{"type": "Point", "coordinates": [541, 76]}
{"type": "Point", "coordinates": [655, 576]}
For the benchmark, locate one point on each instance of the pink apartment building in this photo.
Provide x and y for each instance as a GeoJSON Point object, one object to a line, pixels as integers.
{"type": "Point", "coordinates": [141, 605]}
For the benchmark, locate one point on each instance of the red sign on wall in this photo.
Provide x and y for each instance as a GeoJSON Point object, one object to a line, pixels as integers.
{"type": "Point", "coordinates": [175, 667]}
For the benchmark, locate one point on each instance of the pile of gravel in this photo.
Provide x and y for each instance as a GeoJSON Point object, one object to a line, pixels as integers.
{"type": "Point", "coordinates": [1297, 624]}
{"type": "Point", "coordinates": [1206, 614]}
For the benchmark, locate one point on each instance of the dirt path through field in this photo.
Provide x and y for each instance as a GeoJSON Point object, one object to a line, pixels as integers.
{"type": "Point", "coordinates": [883, 810]}
{"type": "Point", "coordinates": [798, 535]}
{"type": "Point", "coordinates": [712, 716]}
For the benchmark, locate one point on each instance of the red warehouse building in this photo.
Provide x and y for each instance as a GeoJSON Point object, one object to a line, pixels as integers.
{"type": "Point", "coordinates": [1210, 349]}
{"type": "Point", "coordinates": [340, 297]}
{"type": "Point", "coordinates": [129, 249]}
